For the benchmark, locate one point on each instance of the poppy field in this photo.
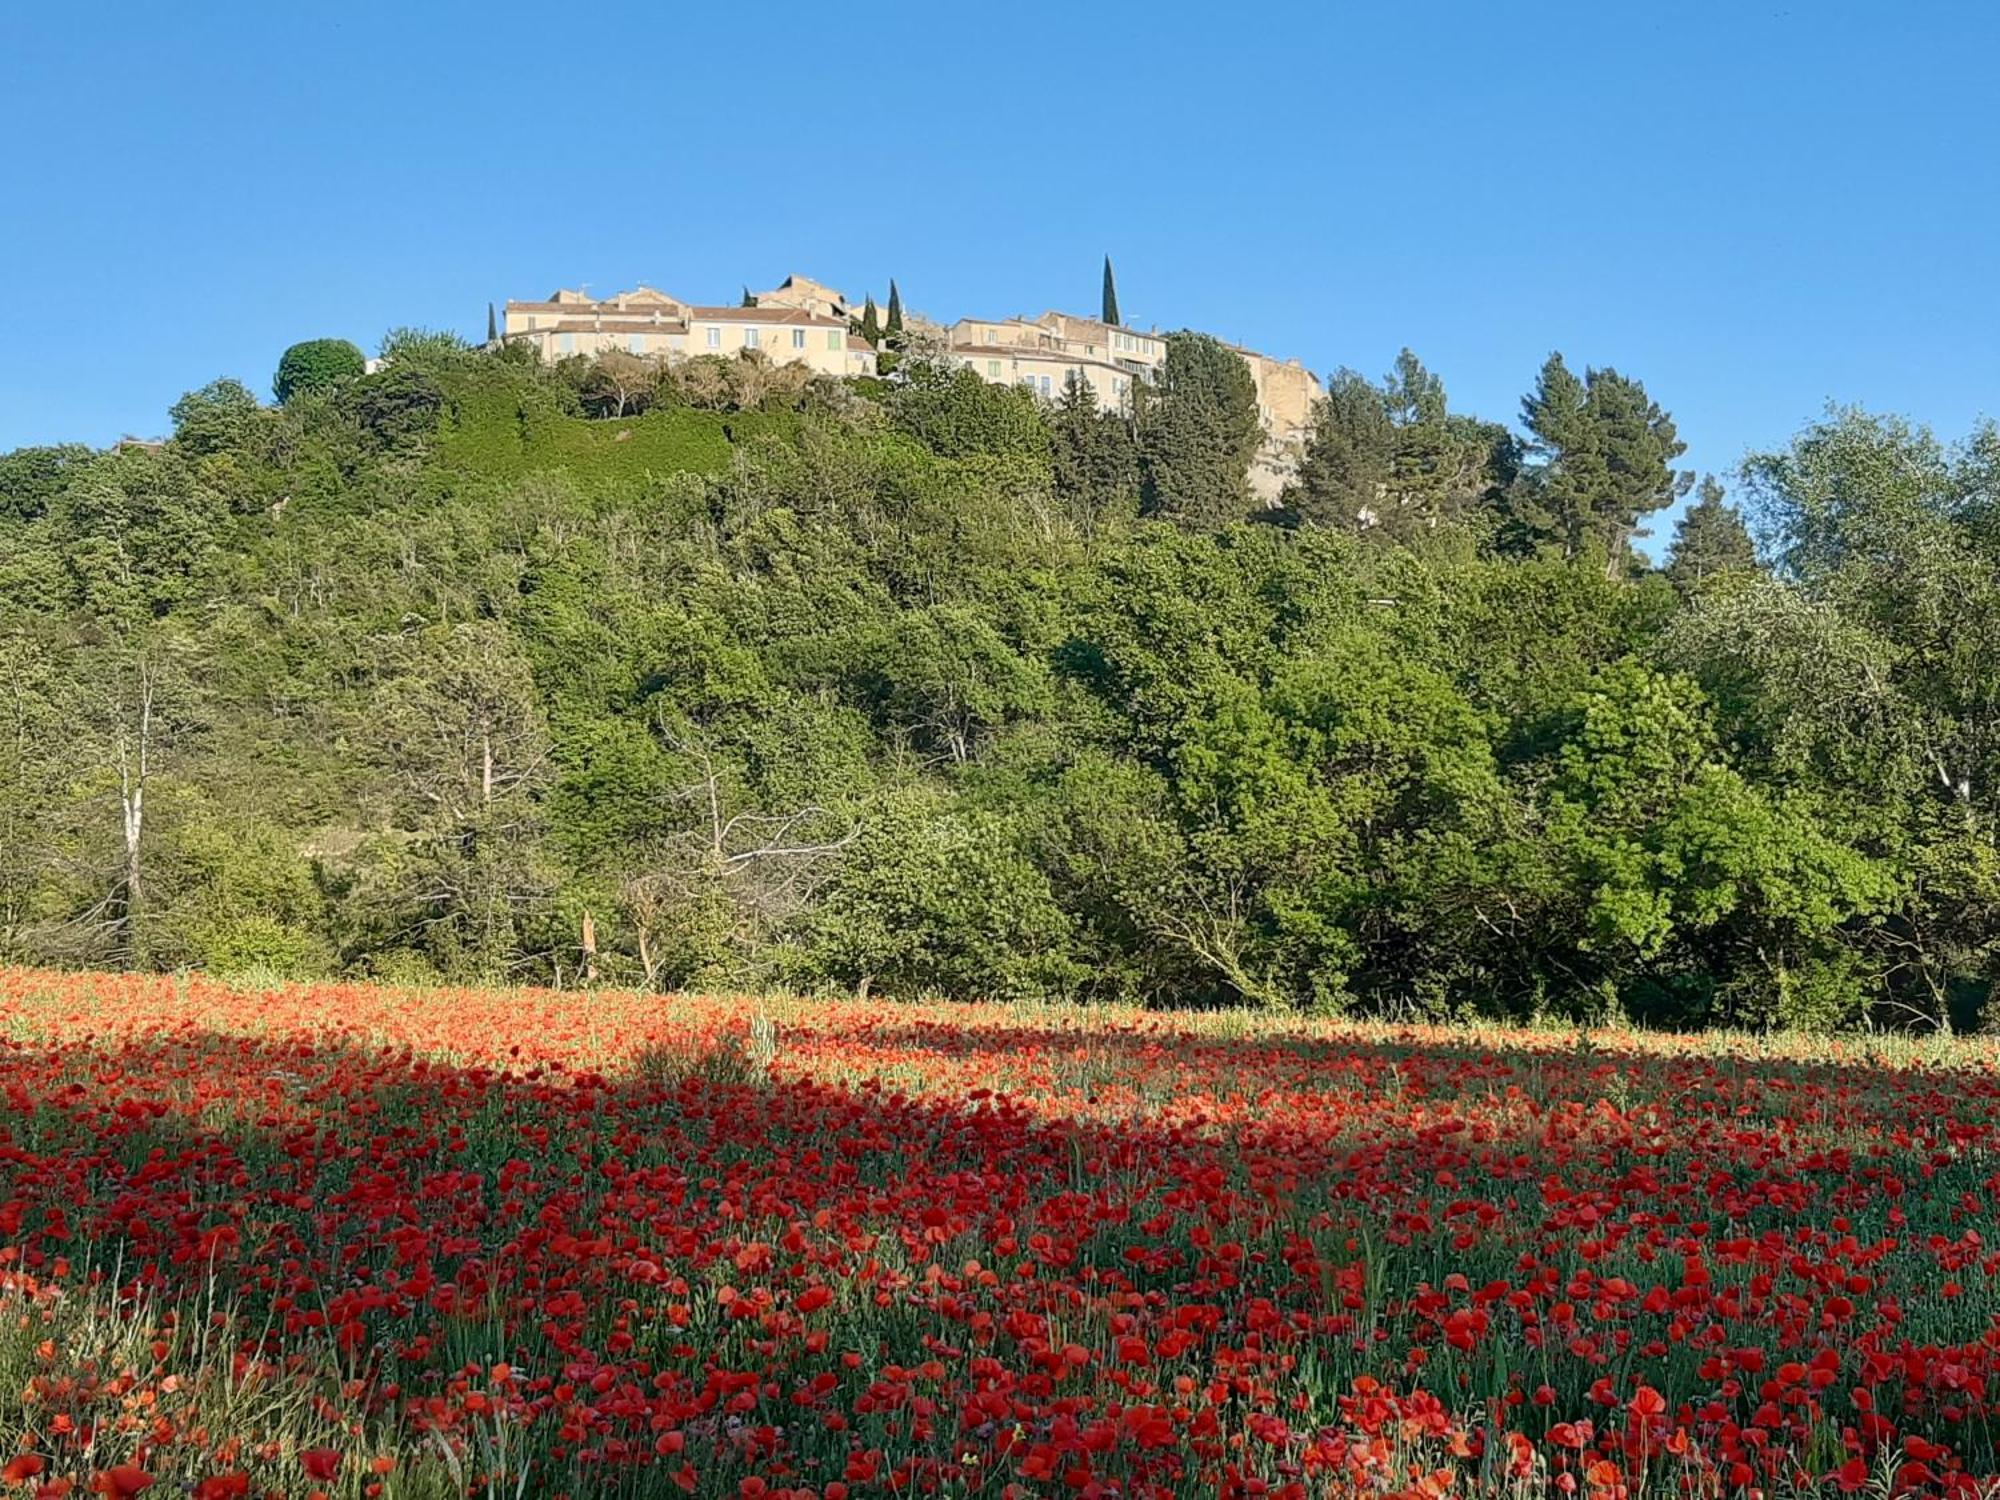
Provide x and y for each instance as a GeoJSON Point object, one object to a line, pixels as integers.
{"type": "Point", "coordinates": [342, 1241]}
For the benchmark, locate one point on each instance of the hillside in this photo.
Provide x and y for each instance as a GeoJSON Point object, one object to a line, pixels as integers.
{"type": "Point", "coordinates": [721, 676]}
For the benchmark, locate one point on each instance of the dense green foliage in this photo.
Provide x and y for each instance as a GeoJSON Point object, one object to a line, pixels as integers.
{"type": "Point", "coordinates": [1198, 429]}
{"type": "Point", "coordinates": [933, 686]}
{"type": "Point", "coordinates": [1711, 541]}
{"type": "Point", "coordinates": [1391, 462]}
{"type": "Point", "coordinates": [321, 364]}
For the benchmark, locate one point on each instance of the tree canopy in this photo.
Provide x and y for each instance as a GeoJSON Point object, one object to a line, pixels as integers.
{"type": "Point", "coordinates": [1198, 430]}
{"type": "Point", "coordinates": [933, 686]}
{"type": "Point", "coordinates": [318, 365]}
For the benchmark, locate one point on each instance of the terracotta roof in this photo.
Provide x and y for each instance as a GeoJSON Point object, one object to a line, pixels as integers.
{"type": "Point", "coordinates": [856, 341]}
{"type": "Point", "coordinates": [802, 282]}
{"type": "Point", "coordinates": [607, 327]}
{"type": "Point", "coordinates": [763, 315]}
{"type": "Point", "coordinates": [1040, 356]}
{"type": "Point", "coordinates": [1078, 320]}
{"type": "Point", "coordinates": [637, 314]}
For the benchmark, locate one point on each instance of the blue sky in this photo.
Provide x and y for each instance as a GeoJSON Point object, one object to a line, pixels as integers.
{"type": "Point", "coordinates": [1754, 208]}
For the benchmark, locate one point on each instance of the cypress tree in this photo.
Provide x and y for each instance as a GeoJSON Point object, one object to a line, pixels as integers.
{"type": "Point", "coordinates": [1198, 431]}
{"type": "Point", "coordinates": [871, 324]}
{"type": "Point", "coordinates": [894, 327]}
{"type": "Point", "coordinates": [748, 300]}
{"type": "Point", "coordinates": [492, 327]}
{"type": "Point", "coordinates": [1110, 295]}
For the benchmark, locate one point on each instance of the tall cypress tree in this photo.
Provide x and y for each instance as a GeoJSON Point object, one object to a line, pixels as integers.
{"type": "Point", "coordinates": [492, 327]}
{"type": "Point", "coordinates": [1110, 295]}
{"type": "Point", "coordinates": [894, 327]}
{"type": "Point", "coordinates": [871, 324]}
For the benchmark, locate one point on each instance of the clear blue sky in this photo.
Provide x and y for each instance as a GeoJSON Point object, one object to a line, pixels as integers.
{"type": "Point", "coordinates": [1754, 208]}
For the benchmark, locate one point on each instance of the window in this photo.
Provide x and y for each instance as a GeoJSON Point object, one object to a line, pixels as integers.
{"type": "Point", "coordinates": [566, 343]}
{"type": "Point", "coordinates": [798, 338]}
{"type": "Point", "coordinates": [993, 368]}
{"type": "Point", "coordinates": [835, 341]}
{"type": "Point", "coordinates": [714, 337]}
{"type": "Point", "coordinates": [636, 343]}
{"type": "Point", "coordinates": [1045, 385]}
{"type": "Point", "coordinates": [992, 335]}
{"type": "Point", "coordinates": [749, 338]}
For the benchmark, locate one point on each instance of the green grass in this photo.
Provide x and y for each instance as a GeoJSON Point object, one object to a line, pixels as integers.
{"type": "Point", "coordinates": [496, 434]}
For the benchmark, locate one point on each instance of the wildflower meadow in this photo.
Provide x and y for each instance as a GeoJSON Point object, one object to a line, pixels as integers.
{"type": "Point", "coordinates": [342, 1241]}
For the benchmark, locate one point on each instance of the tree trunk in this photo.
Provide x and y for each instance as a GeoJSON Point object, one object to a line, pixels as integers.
{"type": "Point", "coordinates": [133, 766]}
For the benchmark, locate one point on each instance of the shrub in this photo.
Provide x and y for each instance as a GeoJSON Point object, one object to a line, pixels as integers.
{"type": "Point", "coordinates": [315, 365]}
{"type": "Point", "coordinates": [936, 899]}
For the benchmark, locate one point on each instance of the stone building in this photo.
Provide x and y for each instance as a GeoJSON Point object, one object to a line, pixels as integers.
{"type": "Point", "coordinates": [806, 321]}
{"type": "Point", "coordinates": [807, 295]}
{"type": "Point", "coordinates": [654, 324]}
{"type": "Point", "coordinates": [1042, 352]}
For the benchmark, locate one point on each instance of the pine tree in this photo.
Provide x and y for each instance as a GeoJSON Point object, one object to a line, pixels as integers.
{"type": "Point", "coordinates": [1110, 295]}
{"type": "Point", "coordinates": [1710, 540]}
{"type": "Point", "coordinates": [1415, 394]}
{"type": "Point", "coordinates": [1343, 477]}
{"type": "Point", "coordinates": [893, 329]}
{"type": "Point", "coordinates": [1393, 462]}
{"type": "Point", "coordinates": [492, 327]}
{"type": "Point", "coordinates": [1093, 460]}
{"type": "Point", "coordinates": [871, 324]}
{"type": "Point", "coordinates": [1606, 451]}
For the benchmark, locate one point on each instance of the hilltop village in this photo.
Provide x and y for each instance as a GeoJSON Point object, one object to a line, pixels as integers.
{"type": "Point", "coordinates": [803, 321]}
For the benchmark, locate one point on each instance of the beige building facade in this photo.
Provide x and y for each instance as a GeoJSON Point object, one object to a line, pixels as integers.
{"type": "Point", "coordinates": [1041, 353]}
{"type": "Point", "coordinates": [1287, 392]}
{"type": "Point", "coordinates": [1046, 371]}
{"type": "Point", "coordinates": [806, 322]}
{"type": "Point", "coordinates": [655, 325]}
{"type": "Point", "coordinates": [1012, 348]}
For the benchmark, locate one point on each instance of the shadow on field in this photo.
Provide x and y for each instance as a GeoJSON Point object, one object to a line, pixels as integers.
{"type": "Point", "coordinates": [420, 1216]}
{"type": "Point", "coordinates": [159, 1141]}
